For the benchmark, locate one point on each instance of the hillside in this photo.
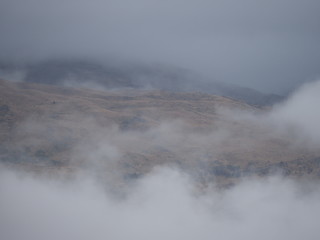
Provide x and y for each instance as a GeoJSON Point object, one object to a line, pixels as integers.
{"type": "Point", "coordinates": [122, 135]}
{"type": "Point", "coordinates": [93, 74]}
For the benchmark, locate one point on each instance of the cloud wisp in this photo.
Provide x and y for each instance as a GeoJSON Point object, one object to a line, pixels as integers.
{"type": "Point", "coordinates": [166, 201]}
{"type": "Point", "coordinates": [162, 205]}
{"type": "Point", "coordinates": [300, 114]}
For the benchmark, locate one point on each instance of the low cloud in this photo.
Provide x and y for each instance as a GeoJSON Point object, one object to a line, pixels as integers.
{"type": "Point", "coordinates": [165, 201]}
{"type": "Point", "coordinates": [162, 205]}
{"type": "Point", "coordinates": [300, 115]}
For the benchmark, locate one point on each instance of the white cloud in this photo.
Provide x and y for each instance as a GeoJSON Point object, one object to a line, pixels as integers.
{"type": "Point", "coordinates": [300, 114]}
{"type": "Point", "coordinates": [162, 205]}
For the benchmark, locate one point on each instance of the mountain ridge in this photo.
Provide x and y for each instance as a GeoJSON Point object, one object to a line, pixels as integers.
{"type": "Point", "coordinates": [91, 74]}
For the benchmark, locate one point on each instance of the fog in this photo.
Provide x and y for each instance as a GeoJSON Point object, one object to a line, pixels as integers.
{"type": "Point", "coordinates": [299, 114]}
{"type": "Point", "coordinates": [162, 205]}
{"type": "Point", "coordinates": [270, 46]}
{"type": "Point", "coordinates": [165, 201]}
{"type": "Point", "coordinates": [163, 182]}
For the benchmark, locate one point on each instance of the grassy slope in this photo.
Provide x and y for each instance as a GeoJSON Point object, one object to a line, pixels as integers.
{"type": "Point", "coordinates": [43, 126]}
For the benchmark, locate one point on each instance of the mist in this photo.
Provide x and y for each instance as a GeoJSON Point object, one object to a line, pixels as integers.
{"type": "Point", "coordinates": [252, 174]}
{"type": "Point", "coordinates": [299, 114]}
{"type": "Point", "coordinates": [162, 205]}
{"type": "Point", "coordinates": [174, 198]}
{"type": "Point", "coordinates": [270, 46]}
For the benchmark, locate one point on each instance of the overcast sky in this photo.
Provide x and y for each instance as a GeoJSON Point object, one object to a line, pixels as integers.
{"type": "Point", "coordinates": [268, 45]}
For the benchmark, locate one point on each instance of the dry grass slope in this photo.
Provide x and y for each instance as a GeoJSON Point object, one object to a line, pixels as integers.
{"type": "Point", "coordinates": [45, 127]}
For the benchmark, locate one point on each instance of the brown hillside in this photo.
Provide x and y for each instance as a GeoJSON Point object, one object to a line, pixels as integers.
{"type": "Point", "coordinates": [44, 127]}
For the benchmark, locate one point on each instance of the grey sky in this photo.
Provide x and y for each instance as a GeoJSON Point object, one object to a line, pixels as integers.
{"type": "Point", "coordinates": [268, 45]}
